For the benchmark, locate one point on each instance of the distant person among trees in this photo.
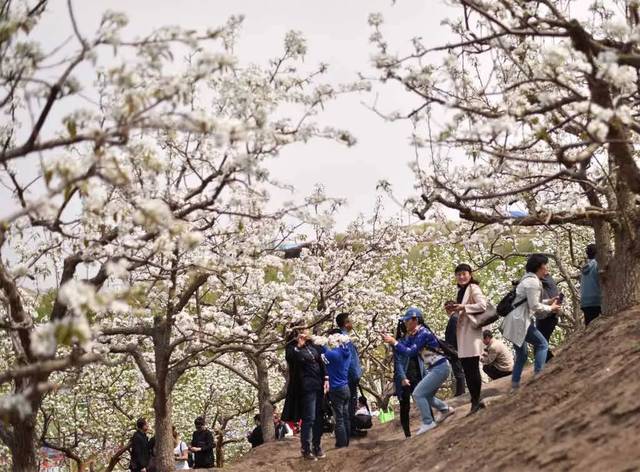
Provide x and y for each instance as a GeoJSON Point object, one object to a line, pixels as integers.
{"type": "Point", "coordinates": [180, 451]}
{"type": "Point", "coordinates": [469, 300]}
{"type": "Point", "coordinates": [420, 343]}
{"type": "Point", "coordinates": [497, 358]}
{"type": "Point", "coordinates": [255, 437]}
{"type": "Point", "coordinates": [547, 325]}
{"type": "Point", "coordinates": [519, 326]}
{"type": "Point", "coordinates": [343, 321]}
{"type": "Point", "coordinates": [308, 382]}
{"type": "Point", "coordinates": [451, 338]}
{"type": "Point", "coordinates": [281, 428]}
{"type": "Point", "coordinates": [202, 445]}
{"type": "Point", "coordinates": [590, 293]}
{"type": "Point", "coordinates": [337, 356]}
{"type": "Point", "coordinates": [140, 450]}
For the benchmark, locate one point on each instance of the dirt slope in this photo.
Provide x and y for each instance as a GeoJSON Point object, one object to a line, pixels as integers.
{"type": "Point", "coordinates": [582, 414]}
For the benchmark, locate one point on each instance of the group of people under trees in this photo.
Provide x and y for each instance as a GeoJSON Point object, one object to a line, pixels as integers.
{"type": "Point", "coordinates": [422, 363]}
{"type": "Point", "coordinates": [198, 454]}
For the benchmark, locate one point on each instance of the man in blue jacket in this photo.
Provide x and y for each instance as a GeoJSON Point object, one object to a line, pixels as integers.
{"type": "Point", "coordinates": [337, 357]}
{"type": "Point", "coordinates": [590, 296]}
{"type": "Point", "coordinates": [355, 371]}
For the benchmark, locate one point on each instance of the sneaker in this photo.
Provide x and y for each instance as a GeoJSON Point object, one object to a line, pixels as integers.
{"type": "Point", "coordinates": [515, 388]}
{"type": "Point", "coordinates": [319, 453]}
{"type": "Point", "coordinates": [307, 456]}
{"type": "Point", "coordinates": [426, 427]}
{"type": "Point", "coordinates": [446, 414]}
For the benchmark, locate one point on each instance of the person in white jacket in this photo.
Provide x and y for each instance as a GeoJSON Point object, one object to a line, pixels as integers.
{"type": "Point", "coordinates": [519, 326]}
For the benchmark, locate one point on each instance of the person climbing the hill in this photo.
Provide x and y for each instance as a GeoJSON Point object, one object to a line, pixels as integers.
{"type": "Point", "coordinates": [451, 338]}
{"type": "Point", "coordinates": [202, 445]}
{"type": "Point", "coordinates": [519, 326]}
{"type": "Point", "coordinates": [497, 358]}
{"type": "Point", "coordinates": [590, 294]}
{"type": "Point", "coordinates": [547, 325]}
{"type": "Point", "coordinates": [255, 437]}
{"type": "Point", "coordinates": [308, 382]}
{"type": "Point", "coordinates": [140, 450]}
{"type": "Point", "coordinates": [469, 300]}
{"type": "Point", "coordinates": [421, 344]}
{"type": "Point", "coordinates": [343, 321]}
{"type": "Point", "coordinates": [337, 356]}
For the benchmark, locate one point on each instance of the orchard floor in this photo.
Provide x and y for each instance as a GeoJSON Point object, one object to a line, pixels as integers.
{"type": "Point", "coordinates": [582, 414]}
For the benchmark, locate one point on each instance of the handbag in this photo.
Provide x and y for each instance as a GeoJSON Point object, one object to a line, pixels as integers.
{"type": "Point", "coordinates": [488, 316]}
{"type": "Point", "coordinates": [386, 416]}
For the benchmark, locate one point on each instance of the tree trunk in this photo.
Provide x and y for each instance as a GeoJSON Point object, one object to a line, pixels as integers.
{"type": "Point", "coordinates": [163, 448]}
{"type": "Point", "coordinates": [23, 444]}
{"type": "Point", "coordinates": [219, 450]}
{"type": "Point", "coordinates": [264, 399]}
{"type": "Point", "coordinates": [620, 281]}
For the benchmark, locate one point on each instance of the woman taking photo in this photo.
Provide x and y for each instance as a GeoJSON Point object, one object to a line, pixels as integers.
{"type": "Point", "coordinates": [469, 300]}
{"type": "Point", "coordinates": [308, 383]}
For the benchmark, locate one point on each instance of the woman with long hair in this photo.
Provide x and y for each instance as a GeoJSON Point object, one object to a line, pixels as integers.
{"type": "Point", "coordinates": [180, 451]}
{"type": "Point", "coordinates": [469, 300]}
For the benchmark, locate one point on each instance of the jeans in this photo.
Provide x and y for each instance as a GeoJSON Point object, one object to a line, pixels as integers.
{"type": "Point", "coordinates": [340, 399]}
{"type": "Point", "coordinates": [540, 345]}
{"type": "Point", "coordinates": [311, 430]}
{"type": "Point", "coordinates": [425, 391]}
{"type": "Point", "coordinates": [546, 326]}
{"type": "Point", "coordinates": [458, 376]}
{"type": "Point", "coordinates": [471, 367]}
{"type": "Point", "coordinates": [494, 373]}
{"type": "Point", "coordinates": [590, 313]}
{"type": "Point", "coordinates": [353, 401]}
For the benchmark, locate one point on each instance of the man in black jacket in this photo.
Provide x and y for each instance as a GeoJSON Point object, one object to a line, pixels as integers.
{"type": "Point", "coordinates": [255, 437]}
{"type": "Point", "coordinates": [451, 338]}
{"type": "Point", "coordinates": [140, 452]}
{"type": "Point", "coordinates": [202, 445]}
{"type": "Point", "coordinates": [547, 325]}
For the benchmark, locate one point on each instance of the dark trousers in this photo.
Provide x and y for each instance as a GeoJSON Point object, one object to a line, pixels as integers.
{"type": "Point", "coordinates": [353, 402]}
{"type": "Point", "coordinates": [405, 406]}
{"type": "Point", "coordinates": [546, 327]}
{"type": "Point", "coordinates": [495, 373]}
{"type": "Point", "coordinates": [340, 399]}
{"type": "Point", "coordinates": [458, 377]}
{"type": "Point", "coordinates": [311, 431]}
{"type": "Point", "coordinates": [590, 313]}
{"type": "Point", "coordinates": [471, 367]}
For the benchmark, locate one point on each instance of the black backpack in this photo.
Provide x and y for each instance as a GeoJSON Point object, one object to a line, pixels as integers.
{"type": "Point", "coordinates": [507, 305]}
{"type": "Point", "coordinates": [444, 348]}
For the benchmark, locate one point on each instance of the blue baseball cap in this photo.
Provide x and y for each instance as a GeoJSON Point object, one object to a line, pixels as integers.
{"type": "Point", "coordinates": [411, 313]}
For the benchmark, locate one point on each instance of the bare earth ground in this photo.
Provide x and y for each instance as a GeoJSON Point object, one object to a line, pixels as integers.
{"type": "Point", "coordinates": [582, 414]}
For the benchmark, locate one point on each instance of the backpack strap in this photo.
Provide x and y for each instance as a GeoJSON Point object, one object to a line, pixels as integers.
{"type": "Point", "coordinates": [366, 403]}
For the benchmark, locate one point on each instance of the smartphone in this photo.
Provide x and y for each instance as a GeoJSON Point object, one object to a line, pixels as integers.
{"type": "Point", "coordinates": [560, 298]}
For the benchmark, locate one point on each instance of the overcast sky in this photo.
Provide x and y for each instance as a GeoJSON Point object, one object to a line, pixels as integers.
{"type": "Point", "coordinates": [337, 33]}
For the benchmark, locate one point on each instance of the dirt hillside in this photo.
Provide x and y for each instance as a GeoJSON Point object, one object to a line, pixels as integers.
{"type": "Point", "coordinates": [582, 414]}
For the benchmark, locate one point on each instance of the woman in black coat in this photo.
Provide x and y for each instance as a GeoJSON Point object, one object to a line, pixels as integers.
{"type": "Point", "coordinates": [308, 382]}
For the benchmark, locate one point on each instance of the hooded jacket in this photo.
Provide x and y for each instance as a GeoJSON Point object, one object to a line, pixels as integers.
{"type": "Point", "coordinates": [590, 285]}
